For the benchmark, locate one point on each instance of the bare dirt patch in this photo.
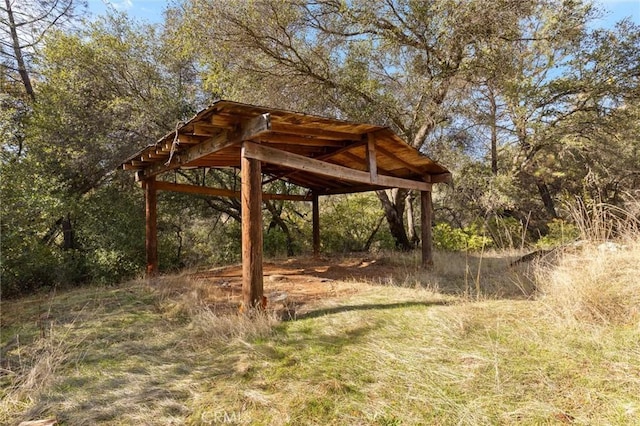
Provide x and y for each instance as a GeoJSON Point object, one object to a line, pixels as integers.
{"type": "Point", "coordinates": [293, 282]}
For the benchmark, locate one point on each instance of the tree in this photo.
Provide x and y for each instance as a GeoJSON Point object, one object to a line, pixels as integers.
{"type": "Point", "coordinates": [556, 117]}
{"type": "Point", "coordinates": [24, 27]}
{"type": "Point", "coordinates": [103, 93]}
{"type": "Point", "coordinates": [395, 64]}
{"type": "Point", "coordinates": [600, 151]}
{"type": "Point", "coordinates": [106, 92]}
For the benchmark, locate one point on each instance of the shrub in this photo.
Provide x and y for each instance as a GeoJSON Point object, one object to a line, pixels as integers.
{"type": "Point", "coordinates": [560, 232]}
{"type": "Point", "coordinates": [469, 238]}
{"type": "Point", "coordinates": [353, 223]}
{"type": "Point", "coordinates": [27, 266]}
{"type": "Point", "coordinates": [506, 232]}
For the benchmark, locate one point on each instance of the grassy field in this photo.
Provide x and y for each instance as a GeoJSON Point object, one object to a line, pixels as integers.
{"type": "Point", "coordinates": [474, 342]}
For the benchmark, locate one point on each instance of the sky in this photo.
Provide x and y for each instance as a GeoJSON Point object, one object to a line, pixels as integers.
{"type": "Point", "coordinates": [618, 10]}
{"type": "Point", "coordinates": [146, 10]}
{"type": "Point", "coordinates": [151, 10]}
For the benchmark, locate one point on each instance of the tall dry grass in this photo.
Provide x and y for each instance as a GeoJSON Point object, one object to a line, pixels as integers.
{"type": "Point", "coordinates": [598, 282]}
{"type": "Point", "coordinates": [34, 366]}
{"type": "Point", "coordinates": [209, 327]}
{"type": "Point", "coordinates": [211, 318]}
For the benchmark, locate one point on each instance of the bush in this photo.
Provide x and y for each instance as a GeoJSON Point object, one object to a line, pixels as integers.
{"type": "Point", "coordinates": [560, 233]}
{"type": "Point", "coordinates": [506, 232]}
{"type": "Point", "coordinates": [469, 238]}
{"type": "Point", "coordinates": [353, 223]}
{"type": "Point", "coordinates": [110, 233]}
{"type": "Point", "coordinates": [26, 268]}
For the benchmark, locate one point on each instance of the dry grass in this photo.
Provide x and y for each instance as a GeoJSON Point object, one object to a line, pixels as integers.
{"type": "Point", "coordinates": [35, 369]}
{"type": "Point", "coordinates": [465, 344]}
{"type": "Point", "coordinates": [485, 275]}
{"type": "Point", "coordinates": [596, 285]}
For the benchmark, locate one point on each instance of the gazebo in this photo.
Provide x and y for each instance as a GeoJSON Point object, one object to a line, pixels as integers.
{"type": "Point", "coordinates": [325, 156]}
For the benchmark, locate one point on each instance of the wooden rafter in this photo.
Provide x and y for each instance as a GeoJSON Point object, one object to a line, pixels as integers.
{"type": "Point", "coordinates": [316, 132]}
{"type": "Point", "coordinates": [406, 164]}
{"type": "Point", "coordinates": [289, 139]}
{"type": "Point", "coordinates": [321, 158]}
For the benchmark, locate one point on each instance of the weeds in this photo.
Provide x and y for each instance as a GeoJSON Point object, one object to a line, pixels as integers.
{"type": "Point", "coordinates": [598, 222]}
{"type": "Point", "coordinates": [594, 286]}
{"type": "Point", "coordinates": [211, 328]}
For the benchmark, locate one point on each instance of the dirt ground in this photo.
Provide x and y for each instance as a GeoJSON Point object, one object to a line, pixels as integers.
{"type": "Point", "coordinates": [294, 282]}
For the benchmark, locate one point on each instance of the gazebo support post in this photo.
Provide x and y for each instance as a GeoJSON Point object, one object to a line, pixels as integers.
{"type": "Point", "coordinates": [151, 229]}
{"type": "Point", "coordinates": [251, 195]}
{"type": "Point", "coordinates": [315, 224]}
{"type": "Point", "coordinates": [427, 239]}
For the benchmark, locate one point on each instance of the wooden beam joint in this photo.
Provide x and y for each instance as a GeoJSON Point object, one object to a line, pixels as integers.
{"type": "Point", "coordinates": [245, 130]}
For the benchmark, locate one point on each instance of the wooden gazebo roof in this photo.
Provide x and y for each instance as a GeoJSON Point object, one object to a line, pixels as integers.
{"type": "Point", "coordinates": [327, 156]}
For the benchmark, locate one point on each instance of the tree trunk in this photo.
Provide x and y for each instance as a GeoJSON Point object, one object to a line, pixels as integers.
{"type": "Point", "coordinates": [53, 231]}
{"type": "Point", "coordinates": [17, 50]}
{"type": "Point", "coordinates": [367, 244]}
{"type": "Point", "coordinates": [493, 115]}
{"type": "Point", "coordinates": [394, 212]}
{"type": "Point", "coordinates": [68, 233]}
{"type": "Point", "coordinates": [411, 223]}
{"type": "Point", "coordinates": [275, 215]}
{"type": "Point", "coordinates": [547, 200]}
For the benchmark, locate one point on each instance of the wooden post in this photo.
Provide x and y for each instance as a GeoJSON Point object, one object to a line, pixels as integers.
{"type": "Point", "coordinates": [315, 224]}
{"type": "Point", "coordinates": [252, 284]}
{"type": "Point", "coordinates": [427, 240]}
{"type": "Point", "coordinates": [371, 157]}
{"type": "Point", "coordinates": [151, 207]}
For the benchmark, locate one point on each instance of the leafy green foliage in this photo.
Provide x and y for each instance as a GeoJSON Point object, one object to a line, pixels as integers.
{"type": "Point", "coordinates": [111, 233]}
{"type": "Point", "coordinates": [104, 92]}
{"type": "Point", "coordinates": [560, 232]}
{"type": "Point", "coordinates": [469, 238]}
{"type": "Point", "coordinates": [26, 210]}
{"type": "Point", "coordinates": [352, 223]}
